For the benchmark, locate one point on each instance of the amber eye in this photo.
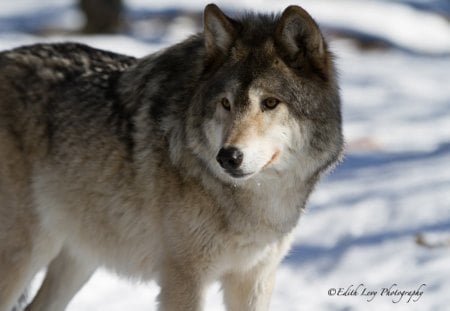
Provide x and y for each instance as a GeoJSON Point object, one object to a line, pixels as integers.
{"type": "Point", "coordinates": [226, 104]}
{"type": "Point", "coordinates": [270, 103]}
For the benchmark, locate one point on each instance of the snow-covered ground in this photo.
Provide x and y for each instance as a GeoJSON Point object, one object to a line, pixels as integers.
{"type": "Point", "coordinates": [360, 227]}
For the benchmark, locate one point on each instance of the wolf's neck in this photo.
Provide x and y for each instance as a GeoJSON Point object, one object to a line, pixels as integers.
{"type": "Point", "coordinates": [274, 206]}
{"type": "Point", "coordinates": [279, 202]}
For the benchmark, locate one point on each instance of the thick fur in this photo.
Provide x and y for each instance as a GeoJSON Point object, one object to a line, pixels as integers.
{"type": "Point", "coordinates": [107, 160]}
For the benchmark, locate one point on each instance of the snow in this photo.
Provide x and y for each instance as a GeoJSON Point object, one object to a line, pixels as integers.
{"type": "Point", "coordinates": [362, 220]}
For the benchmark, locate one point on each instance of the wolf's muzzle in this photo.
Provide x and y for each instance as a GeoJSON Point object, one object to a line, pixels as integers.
{"type": "Point", "coordinates": [230, 158]}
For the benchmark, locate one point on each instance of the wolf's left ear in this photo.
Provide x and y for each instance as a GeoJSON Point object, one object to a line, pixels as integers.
{"type": "Point", "coordinates": [300, 36]}
{"type": "Point", "coordinates": [219, 30]}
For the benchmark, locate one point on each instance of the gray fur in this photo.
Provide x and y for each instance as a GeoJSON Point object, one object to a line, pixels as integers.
{"type": "Point", "coordinates": [107, 160]}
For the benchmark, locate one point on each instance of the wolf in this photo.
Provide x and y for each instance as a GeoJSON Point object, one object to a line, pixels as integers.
{"type": "Point", "coordinates": [189, 166]}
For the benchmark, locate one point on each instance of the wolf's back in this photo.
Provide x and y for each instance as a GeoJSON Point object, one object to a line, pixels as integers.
{"type": "Point", "coordinates": [44, 86]}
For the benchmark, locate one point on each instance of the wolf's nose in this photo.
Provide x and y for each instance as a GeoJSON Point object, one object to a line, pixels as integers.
{"type": "Point", "coordinates": [230, 158]}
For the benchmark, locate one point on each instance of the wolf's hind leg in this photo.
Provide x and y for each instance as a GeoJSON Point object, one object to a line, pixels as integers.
{"type": "Point", "coordinates": [14, 277]}
{"type": "Point", "coordinates": [24, 247]}
{"type": "Point", "coordinates": [65, 276]}
{"type": "Point", "coordinates": [22, 254]}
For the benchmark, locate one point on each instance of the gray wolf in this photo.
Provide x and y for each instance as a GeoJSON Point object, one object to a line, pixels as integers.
{"type": "Point", "coordinates": [189, 166]}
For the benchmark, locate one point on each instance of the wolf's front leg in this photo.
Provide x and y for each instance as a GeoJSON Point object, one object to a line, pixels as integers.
{"type": "Point", "coordinates": [250, 290]}
{"type": "Point", "coordinates": [65, 276]}
{"type": "Point", "coordinates": [181, 288]}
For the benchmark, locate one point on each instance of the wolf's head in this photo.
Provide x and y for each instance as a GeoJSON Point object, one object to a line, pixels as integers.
{"type": "Point", "coordinates": [268, 102]}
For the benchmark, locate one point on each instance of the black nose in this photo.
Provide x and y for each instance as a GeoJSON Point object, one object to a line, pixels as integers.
{"type": "Point", "coordinates": [230, 158]}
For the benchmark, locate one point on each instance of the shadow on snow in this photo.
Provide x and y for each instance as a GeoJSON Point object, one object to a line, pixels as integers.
{"type": "Point", "coordinates": [330, 255]}
{"type": "Point", "coordinates": [354, 162]}
{"type": "Point", "coordinates": [305, 253]}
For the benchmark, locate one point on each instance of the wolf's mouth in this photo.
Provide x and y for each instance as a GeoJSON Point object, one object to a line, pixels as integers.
{"type": "Point", "coordinates": [237, 173]}
{"type": "Point", "coordinates": [275, 157]}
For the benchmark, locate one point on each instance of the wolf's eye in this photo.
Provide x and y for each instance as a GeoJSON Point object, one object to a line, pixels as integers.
{"type": "Point", "coordinates": [270, 103]}
{"type": "Point", "coordinates": [225, 104]}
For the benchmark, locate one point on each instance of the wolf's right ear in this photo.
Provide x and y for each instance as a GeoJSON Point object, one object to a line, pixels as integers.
{"type": "Point", "coordinates": [219, 30]}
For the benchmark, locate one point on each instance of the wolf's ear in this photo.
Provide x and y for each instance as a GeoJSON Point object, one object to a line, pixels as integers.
{"type": "Point", "coordinates": [219, 30]}
{"type": "Point", "coordinates": [300, 36]}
